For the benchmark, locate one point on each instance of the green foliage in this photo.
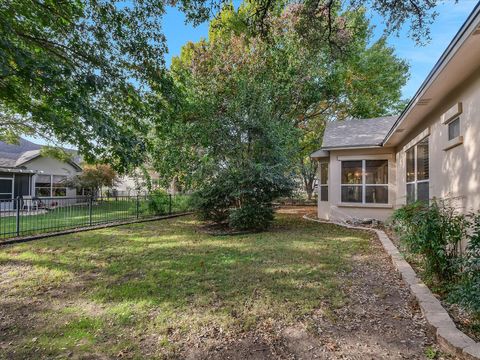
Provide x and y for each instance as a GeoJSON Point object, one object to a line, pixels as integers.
{"type": "Point", "coordinates": [251, 217]}
{"type": "Point", "coordinates": [67, 71]}
{"type": "Point", "coordinates": [57, 153]}
{"type": "Point", "coordinates": [435, 232]}
{"type": "Point", "coordinates": [182, 203]}
{"type": "Point", "coordinates": [93, 177]}
{"type": "Point", "coordinates": [158, 202]}
{"type": "Point", "coordinates": [248, 102]}
{"type": "Point", "coordinates": [467, 290]}
{"type": "Point", "coordinates": [242, 197]}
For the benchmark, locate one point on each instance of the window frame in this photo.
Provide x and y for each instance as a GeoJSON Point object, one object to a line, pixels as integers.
{"type": "Point", "coordinates": [449, 125]}
{"type": "Point", "coordinates": [415, 181]}
{"type": "Point", "coordinates": [12, 180]}
{"type": "Point", "coordinates": [322, 185]}
{"type": "Point", "coordinates": [51, 188]}
{"type": "Point", "coordinates": [363, 185]}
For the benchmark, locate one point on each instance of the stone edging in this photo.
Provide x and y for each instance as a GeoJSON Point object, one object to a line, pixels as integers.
{"type": "Point", "coordinates": [449, 337]}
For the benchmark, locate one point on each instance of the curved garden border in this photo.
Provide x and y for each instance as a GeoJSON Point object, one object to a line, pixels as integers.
{"type": "Point", "coordinates": [448, 336]}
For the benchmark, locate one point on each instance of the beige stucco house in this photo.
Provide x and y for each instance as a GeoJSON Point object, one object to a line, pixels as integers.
{"type": "Point", "coordinates": [431, 150]}
{"type": "Point", "coordinates": [26, 172]}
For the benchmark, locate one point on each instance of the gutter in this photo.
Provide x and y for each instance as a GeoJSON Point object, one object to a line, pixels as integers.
{"type": "Point", "coordinates": [16, 170]}
{"type": "Point", "coordinates": [466, 25]}
{"type": "Point", "coordinates": [349, 147]}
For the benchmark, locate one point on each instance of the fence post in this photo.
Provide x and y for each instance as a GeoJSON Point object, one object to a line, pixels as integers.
{"type": "Point", "coordinates": [137, 204]}
{"type": "Point", "coordinates": [17, 216]}
{"type": "Point", "coordinates": [170, 204]}
{"type": "Point", "coordinates": [90, 210]}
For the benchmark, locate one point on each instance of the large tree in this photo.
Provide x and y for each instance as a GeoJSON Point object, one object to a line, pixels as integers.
{"type": "Point", "coordinates": [80, 70]}
{"type": "Point", "coordinates": [251, 107]}
{"type": "Point", "coordinates": [309, 83]}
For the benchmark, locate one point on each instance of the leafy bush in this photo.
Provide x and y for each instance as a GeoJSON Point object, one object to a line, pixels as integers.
{"type": "Point", "coordinates": [434, 231]}
{"type": "Point", "coordinates": [242, 197]}
{"type": "Point", "coordinates": [251, 217]}
{"type": "Point", "coordinates": [467, 291]}
{"type": "Point", "coordinates": [158, 202]}
{"type": "Point", "coordinates": [182, 203]}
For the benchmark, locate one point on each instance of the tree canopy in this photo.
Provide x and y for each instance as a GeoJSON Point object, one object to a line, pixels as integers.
{"type": "Point", "coordinates": [252, 108]}
{"type": "Point", "coordinates": [302, 83]}
{"type": "Point", "coordinates": [86, 72]}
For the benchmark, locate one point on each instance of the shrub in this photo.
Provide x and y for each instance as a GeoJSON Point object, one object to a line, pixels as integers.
{"type": "Point", "coordinates": [182, 203]}
{"type": "Point", "coordinates": [251, 217]}
{"type": "Point", "coordinates": [434, 231]}
{"type": "Point", "coordinates": [242, 197]}
{"type": "Point", "coordinates": [158, 202]}
{"type": "Point", "coordinates": [467, 291]}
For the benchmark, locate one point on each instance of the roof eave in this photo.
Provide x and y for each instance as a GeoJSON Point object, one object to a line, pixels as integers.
{"type": "Point", "coordinates": [351, 147]}
{"type": "Point", "coordinates": [16, 170]}
{"type": "Point", "coordinates": [437, 67]}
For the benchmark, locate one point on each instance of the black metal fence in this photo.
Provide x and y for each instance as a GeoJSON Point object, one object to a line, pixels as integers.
{"type": "Point", "coordinates": [29, 216]}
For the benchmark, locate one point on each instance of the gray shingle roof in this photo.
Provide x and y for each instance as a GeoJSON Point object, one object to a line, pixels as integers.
{"type": "Point", "coordinates": [12, 155]}
{"type": "Point", "coordinates": [357, 132]}
{"type": "Point", "coordinates": [9, 153]}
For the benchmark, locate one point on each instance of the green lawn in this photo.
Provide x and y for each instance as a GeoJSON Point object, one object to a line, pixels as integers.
{"type": "Point", "coordinates": [154, 289]}
{"type": "Point", "coordinates": [78, 215]}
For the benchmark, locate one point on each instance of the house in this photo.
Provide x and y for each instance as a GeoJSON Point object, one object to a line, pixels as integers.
{"type": "Point", "coordinates": [369, 167]}
{"type": "Point", "coordinates": [25, 172]}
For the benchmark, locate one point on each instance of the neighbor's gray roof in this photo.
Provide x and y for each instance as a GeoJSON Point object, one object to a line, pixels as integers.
{"type": "Point", "coordinates": [357, 132]}
{"type": "Point", "coordinates": [14, 155]}
{"type": "Point", "coordinates": [9, 153]}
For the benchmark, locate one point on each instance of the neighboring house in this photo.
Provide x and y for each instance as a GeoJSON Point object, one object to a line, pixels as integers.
{"type": "Point", "coordinates": [135, 184]}
{"type": "Point", "coordinates": [25, 172]}
{"type": "Point", "coordinates": [432, 150]}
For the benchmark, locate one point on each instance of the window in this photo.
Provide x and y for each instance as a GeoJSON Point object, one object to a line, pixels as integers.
{"type": "Point", "coordinates": [418, 172]}
{"type": "Point", "coordinates": [50, 185]}
{"type": "Point", "coordinates": [365, 181]}
{"type": "Point", "coordinates": [58, 185]}
{"type": "Point", "coordinates": [43, 186]}
{"type": "Point", "coordinates": [6, 188]}
{"type": "Point", "coordinates": [454, 129]}
{"type": "Point", "coordinates": [323, 186]}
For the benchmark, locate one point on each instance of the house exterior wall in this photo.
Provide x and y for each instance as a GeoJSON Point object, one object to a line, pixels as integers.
{"type": "Point", "coordinates": [334, 209]}
{"type": "Point", "coordinates": [455, 171]}
{"type": "Point", "coordinates": [51, 166]}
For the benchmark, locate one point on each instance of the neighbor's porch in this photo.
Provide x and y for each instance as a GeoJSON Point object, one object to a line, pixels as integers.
{"type": "Point", "coordinates": [14, 183]}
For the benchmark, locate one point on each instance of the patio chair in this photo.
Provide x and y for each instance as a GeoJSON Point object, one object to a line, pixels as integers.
{"type": "Point", "coordinates": [30, 203]}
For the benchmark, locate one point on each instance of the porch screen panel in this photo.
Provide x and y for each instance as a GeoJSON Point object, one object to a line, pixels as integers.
{"type": "Point", "coordinates": [6, 189]}
{"type": "Point", "coordinates": [376, 179]}
{"type": "Point", "coordinates": [352, 181]}
{"type": "Point", "coordinates": [323, 181]}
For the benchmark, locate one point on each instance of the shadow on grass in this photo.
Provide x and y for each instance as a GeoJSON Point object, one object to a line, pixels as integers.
{"type": "Point", "coordinates": [167, 278]}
